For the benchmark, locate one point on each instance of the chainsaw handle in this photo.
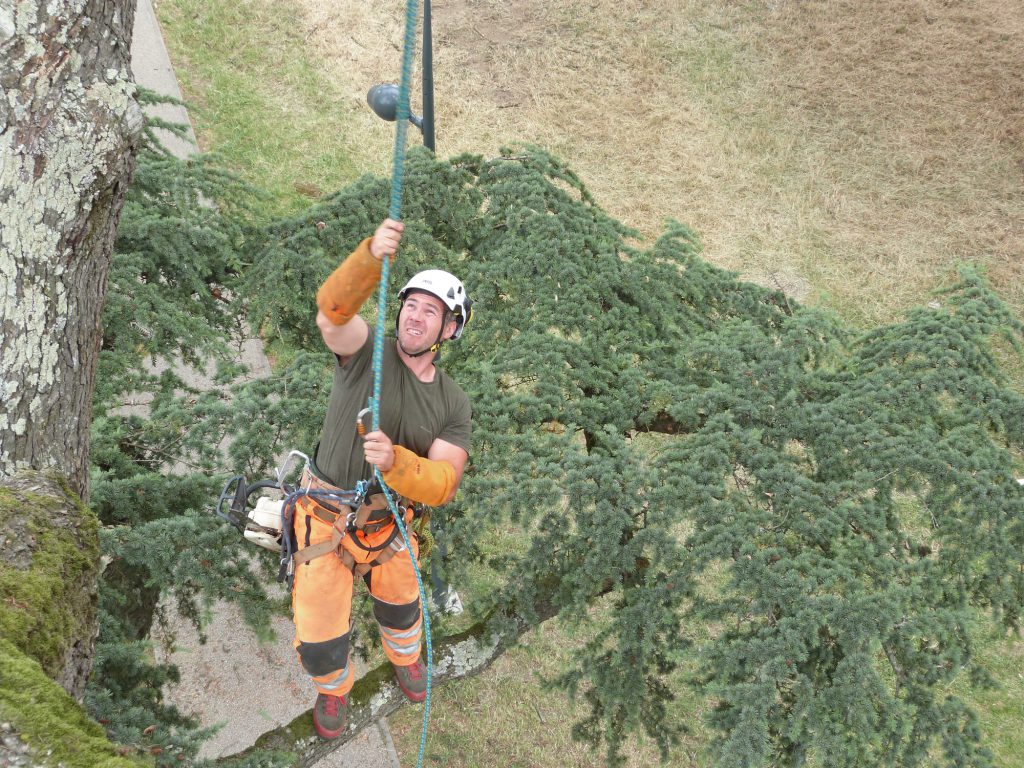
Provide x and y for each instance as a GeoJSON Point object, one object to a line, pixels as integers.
{"type": "Point", "coordinates": [260, 485]}
{"type": "Point", "coordinates": [238, 492]}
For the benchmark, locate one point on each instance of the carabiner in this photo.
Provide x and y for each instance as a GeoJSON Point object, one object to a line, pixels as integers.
{"type": "Point", "coordinates": [283, 469]}
{"type": "Point", "coordinates": [360, 426]}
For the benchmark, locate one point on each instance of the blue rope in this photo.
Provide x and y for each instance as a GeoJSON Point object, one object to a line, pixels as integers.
{"type": "Point", "coordinates": [395, 212]}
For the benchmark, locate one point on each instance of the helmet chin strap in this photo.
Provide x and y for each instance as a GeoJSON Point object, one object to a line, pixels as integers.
{"type": "Point", "coordinates": [432, 348]}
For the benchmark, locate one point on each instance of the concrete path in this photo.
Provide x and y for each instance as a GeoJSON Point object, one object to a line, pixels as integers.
{"type": "Point", "coordinates": [152, 69]}
{"type": "Point", "coordinates": [232, 680]}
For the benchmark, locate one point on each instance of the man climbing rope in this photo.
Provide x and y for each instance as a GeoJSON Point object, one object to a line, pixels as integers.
{"type": "Point", "coordinates": [420, 449]}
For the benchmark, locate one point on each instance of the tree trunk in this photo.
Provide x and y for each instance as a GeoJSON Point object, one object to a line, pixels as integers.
{"type": "Point", "coordinates": [69, 129]}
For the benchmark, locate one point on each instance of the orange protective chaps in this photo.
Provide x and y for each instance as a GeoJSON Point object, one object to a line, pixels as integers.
{"type": "Point", "coordinates": [322, 603]}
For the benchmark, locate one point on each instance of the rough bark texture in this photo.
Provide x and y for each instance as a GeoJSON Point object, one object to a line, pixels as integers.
{"type": "Point", "coordinates": [69, 127]}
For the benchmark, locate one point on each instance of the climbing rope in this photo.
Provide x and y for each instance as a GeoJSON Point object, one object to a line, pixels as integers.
{"type": "Point", "coordinates": [395, 212]}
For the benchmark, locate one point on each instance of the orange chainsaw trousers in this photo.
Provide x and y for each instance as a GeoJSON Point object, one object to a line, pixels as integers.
{"type": "Point", "coordinates": [322, 602]}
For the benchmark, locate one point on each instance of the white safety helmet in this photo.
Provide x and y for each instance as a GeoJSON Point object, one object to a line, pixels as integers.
{"type": "Point", "coordinates": [446, 287]}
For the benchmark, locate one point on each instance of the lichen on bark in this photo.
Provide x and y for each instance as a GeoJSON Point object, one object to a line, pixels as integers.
{"type": "Point", "coordinates": [68, 134]}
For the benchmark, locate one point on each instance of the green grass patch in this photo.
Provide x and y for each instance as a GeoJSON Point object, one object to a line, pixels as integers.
{"type": "Point", "coordinates": [258, 99]}
{"type": "Point", "coordinates": [507, 715]}
{"type": "Point", "coordinates": [1000, 710]}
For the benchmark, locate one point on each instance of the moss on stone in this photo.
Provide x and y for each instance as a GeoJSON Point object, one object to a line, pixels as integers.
{"type": "Point", "coordinates": [49, 720]}
{"type": "Point", "coordinates": [44, 609]}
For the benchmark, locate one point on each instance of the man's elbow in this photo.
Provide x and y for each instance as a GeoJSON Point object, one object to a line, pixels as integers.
{"type": "Point", "coordinates": [343, 340]}
{"type": "Point", "coordinates": [325, 325]}
{"type": "Point", "coordinates": [328, 331]}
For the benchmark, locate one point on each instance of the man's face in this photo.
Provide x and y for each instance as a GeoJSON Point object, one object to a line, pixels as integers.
{"type": "Point", "coordinates": [419, 323]}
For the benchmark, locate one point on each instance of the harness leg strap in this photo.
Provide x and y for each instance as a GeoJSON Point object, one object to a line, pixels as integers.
{"type": "Point", "coordinates": [313, 551]}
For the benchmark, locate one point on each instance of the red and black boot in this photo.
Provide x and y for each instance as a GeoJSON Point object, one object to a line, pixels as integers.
{"type": "Point", "coordinates": [412, 680]}
{"type": "Point", "coordinates": [330, 715]}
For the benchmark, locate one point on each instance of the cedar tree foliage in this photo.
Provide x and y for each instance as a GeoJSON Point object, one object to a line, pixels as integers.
{"type": "Point", "coordinates": [727, 490]}
{"type": "Point", "coordinates": [155, 462]}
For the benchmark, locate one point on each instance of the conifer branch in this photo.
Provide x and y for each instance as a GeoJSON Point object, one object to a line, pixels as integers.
{"type": "Point", "coordinates": [897, 668]}
{"type": "Point", "coordinates": [664, 424]}
{"type": "Point", "coordinates": [785, 462]}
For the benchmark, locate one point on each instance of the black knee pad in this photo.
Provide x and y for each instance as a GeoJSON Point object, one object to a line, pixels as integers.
{"type": "Point", "coordinates": [396, 616]}
{"type": "Point", "coordinates": [326, 657]}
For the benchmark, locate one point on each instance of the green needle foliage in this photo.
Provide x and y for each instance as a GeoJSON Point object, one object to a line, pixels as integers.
{"type": "Point", "coordinates": [863, 500]}
{"type": "Point", "coordinates": [805, 518]}
{"type": "Point", "coordinates": [833, 507]}
{"type": "Point", "coordinates": [157, 467]}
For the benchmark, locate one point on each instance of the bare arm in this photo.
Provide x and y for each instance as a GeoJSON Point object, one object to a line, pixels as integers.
{"type": "Point", "coordinates": [343, 340]}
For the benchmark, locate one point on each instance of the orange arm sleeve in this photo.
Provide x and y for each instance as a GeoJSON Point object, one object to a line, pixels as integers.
{"type": "Point", "coordinates": [344, 292]}
{"type": "Point", "coordinates": [423, 480]}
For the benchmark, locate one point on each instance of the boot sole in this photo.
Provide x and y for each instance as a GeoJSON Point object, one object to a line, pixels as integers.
{"type": "Point", "coordinates": [324, 733]}
{"type": "Point", "coordinates": [415, 698]}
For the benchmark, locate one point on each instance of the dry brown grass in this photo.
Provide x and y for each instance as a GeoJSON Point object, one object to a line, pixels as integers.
{"type": "Point", "coordinates": [851, 150]}
{"type": "Point", "coordinates": [911, 118]}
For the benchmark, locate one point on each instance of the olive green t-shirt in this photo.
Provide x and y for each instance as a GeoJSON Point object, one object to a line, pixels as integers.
{"type": "Point", "coordinates": [412, 413]}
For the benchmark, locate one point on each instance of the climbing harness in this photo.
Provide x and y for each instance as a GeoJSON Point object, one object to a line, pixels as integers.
{"type": "Point", "coordinates": [364, 510]}
{"type": "Point", "coordinates": [370, 516]}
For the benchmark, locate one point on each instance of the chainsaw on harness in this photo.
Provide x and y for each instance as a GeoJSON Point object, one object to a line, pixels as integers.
{"type": "Point", "coordinates": [268, 522]}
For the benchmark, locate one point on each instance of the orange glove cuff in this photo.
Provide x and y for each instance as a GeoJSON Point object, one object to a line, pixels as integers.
{"type": "Point", "coordinates": [344, 292]}
{"type": "Point", "coordinates": [428, 482]}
